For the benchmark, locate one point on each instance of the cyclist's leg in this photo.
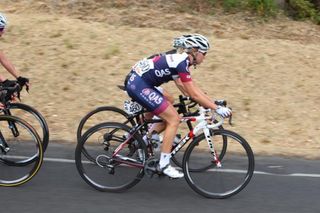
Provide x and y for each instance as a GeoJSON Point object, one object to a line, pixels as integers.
{"type": "Point", "coordinates": [172, 120]}
{"type": "Point", "coordinates": [160, 127]}
{"type": "Point", "coordinates": [149, 97]}
{"type": "Point", "coordinates": [167, 95]}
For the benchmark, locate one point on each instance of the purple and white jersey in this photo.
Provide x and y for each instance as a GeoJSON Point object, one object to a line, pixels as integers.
{"type": "Point", "coordinates": [162, 69]}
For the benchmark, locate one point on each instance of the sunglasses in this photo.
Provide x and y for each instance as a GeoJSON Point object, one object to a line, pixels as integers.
{"type": "Point", "coordinates": [1, 29]}
{"type": "Point", "coordinates": [203, 52]}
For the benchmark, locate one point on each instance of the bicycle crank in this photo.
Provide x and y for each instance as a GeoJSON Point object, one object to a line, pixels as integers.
{"type": "Point", "coordinates": [103, 161]}
{"type": "Point", "coordinates": [150, 167]}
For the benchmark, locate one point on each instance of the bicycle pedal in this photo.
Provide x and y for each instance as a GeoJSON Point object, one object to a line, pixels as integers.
{"type": "Point", "coordinates": [171, 178]}
{"type": "Point", "coordinates": [150, 167]}
{"type": "Point", "coordinates": [111, 171]}
{"type": "Point", "coordinates": [161, 175]}
{"type": "Point", "coordinates": [150, 175]}
{"type": "Point", "coordinates": [4, 149]}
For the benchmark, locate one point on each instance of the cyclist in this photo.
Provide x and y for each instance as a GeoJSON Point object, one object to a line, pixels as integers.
{"type": "Point", "coordinates": [147, 74]}
{"type": "Point", "coordinates": [5, 61]}
{"type": "Point", "coordinates": [157, 128]}
{"type": "Point", "coordinates": [8, 65]}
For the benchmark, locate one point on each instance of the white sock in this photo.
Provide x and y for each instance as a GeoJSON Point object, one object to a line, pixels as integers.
{"type": "Point", "coordinates": [155, 117]}
{"type": "Point", "coordinates": [164, 159]}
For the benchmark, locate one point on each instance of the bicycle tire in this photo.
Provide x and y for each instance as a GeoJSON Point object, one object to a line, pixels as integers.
{"type": "Point", "coordinates": [107, 173]}
{"type": "Point", "coordinates": [44, 133]}
{"type": "Point", "coordinates": [220, 182]}
{"type": "Point", "coordinates": [100, 110]}
{"type": "Point", "coordinates": [25, 155]}
{"type": "Point", "coordinates": [179, 162]}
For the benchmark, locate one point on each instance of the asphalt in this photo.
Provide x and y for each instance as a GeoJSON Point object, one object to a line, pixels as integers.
{"type": "Point", "coordinates": [279, 185]}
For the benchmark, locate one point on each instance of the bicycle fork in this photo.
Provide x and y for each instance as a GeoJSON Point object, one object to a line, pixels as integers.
{"type": "Point", "coordinates": [12, 125]}
{"type": "Point", "coordinates": [207, 134]}
{"type": "Point", "coordinates": [3, 144]}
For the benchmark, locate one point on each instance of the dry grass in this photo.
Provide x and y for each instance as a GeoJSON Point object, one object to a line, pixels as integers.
{"type": "Point", "coordinates": [269, 72]}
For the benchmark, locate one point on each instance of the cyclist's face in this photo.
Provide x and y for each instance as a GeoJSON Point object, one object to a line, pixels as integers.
{"type": "Point", "coordinates": [1, 31]}
{"type": "Point", "coordinates": [200, 55]}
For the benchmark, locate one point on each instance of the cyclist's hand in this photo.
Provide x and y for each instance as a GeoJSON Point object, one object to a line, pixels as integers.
{"type": "Point", "coordinates": [14, 97]}
{"type": "Point", "coordinates": [8, 83]}
{"type": "Point", "coordinates": [224, 111]}
{"type": "Point", "coordinates": [23, 82]}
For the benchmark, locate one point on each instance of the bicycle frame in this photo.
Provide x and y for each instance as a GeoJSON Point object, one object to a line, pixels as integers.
{"type": "Point", "coordinates": [203, 125]}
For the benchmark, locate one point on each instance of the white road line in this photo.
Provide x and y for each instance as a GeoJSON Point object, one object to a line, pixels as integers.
{"type": "Point", "coordinates": [288, 175]}
{"type": "Point", "coordinates": [61, 160]}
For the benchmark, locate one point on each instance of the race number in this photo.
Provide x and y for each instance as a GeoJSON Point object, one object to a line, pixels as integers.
{"type": "Point", "coordinates": [143, 66]}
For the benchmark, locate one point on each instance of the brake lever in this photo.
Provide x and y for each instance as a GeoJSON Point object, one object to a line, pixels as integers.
{"type": "Point", "coordinates": [230, 119]}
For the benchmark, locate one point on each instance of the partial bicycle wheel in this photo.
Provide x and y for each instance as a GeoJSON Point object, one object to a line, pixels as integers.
{"type": "Point", "coordinates": [21, 155]}
{"type": "Point", "coordinates": [237, 165]}
{"type": "Point", "coordinates": [177, 159]}
{"type": "Point", "coordinates": [107, 172]}
{"type": "Point", "coordinates": [102, 114]}
{"type": "Point", "coordinates": [33, 117]}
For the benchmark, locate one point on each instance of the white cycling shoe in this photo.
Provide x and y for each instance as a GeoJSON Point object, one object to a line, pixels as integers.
{"type": "Point", "coordinates": [172, 172]}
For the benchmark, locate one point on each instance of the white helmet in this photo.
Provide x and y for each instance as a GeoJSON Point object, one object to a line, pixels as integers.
{"type": "Point", "coordinates": [3, 21]}
{"type": "Point", "coordinates": [192, 41]}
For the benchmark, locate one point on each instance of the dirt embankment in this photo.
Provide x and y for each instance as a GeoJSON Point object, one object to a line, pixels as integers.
{"type": "Point", "coordinates": [268, 71]}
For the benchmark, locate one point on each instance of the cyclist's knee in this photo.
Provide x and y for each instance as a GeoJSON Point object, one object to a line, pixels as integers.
{"type": "Point", "coordinates": [174, 120]}
{"type": "Point", "coordinates": [171, 116]}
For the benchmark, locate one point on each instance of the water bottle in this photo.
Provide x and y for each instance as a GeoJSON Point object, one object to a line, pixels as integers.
{"type": "Point", "coordinates": [176, 139]}
{"type": "Point", "coordinates": [155, 141]}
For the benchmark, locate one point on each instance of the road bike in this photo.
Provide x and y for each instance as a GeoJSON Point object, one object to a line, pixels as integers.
{"type": "Point", "coordinates": [27, 113]}
{"type": "Point", "coordinates": [217, 163]}
{"type": "Point", "coordinates": [21, 152]}
{"type": "Point", "coordinates": [101, 114]}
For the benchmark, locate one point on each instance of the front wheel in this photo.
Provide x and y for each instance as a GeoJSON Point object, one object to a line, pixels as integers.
{"type": "Point", "coordinates": [21, 155]}
{"type": "Point", "coordinates": [33, 117]}
{"type": "Point", "coordinates": [219, 181]}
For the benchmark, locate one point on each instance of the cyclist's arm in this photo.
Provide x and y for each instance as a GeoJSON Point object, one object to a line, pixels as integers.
{"type": "Point", "coordinates": [198, 95]}
{"type": "Point", "coordinates": [8, 65]}
{"type": "Point", "coordinates": [180, 86]}
{"type": "Point", "coordinates": [2, 78]}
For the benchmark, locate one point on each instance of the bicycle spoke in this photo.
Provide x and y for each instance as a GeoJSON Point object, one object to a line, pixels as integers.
{"type": "Point", "coordinates": [24, 156]}
{"type": "Point", "coordinates": [102, 114]}
{"type": "Point", "coordinates": [108, 173]}
{"type": "Point", "coordinates": [33, 117]}
{"type": "Point", "coordinates": [217, 181]}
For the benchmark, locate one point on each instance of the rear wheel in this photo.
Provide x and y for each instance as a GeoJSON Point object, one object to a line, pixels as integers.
{"type": "Point", "coordinates": [104, 171]}
{"type": "Point", "coordinates": [21, 155]}
{"type": "Point", "coordinates": [237, 165]}
{"type": "Point", "coordinates": [100, 115]}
